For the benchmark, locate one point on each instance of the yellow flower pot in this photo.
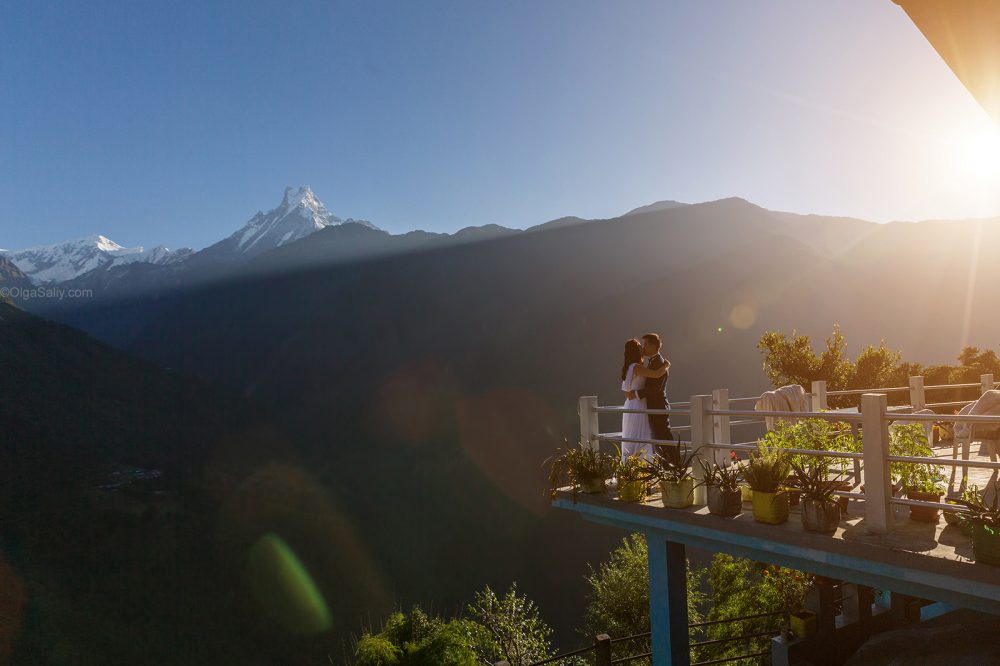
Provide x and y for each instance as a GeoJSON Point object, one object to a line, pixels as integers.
{"type": "Point", "coordinates": [632, 491]}
{"type": "Point", "coordinates": [747, 493]}
{"type": "Point", "coordinates": [803, 623]}
{"type": "Point", "coordinates": [677, 495]}
{"type": "Point", "coordinates": [770, 508]}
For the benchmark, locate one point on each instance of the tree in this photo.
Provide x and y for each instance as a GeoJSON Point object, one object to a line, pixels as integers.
{"type": "Point", "coordinates": [741, 588]}
{"type": "Point", "coordinates": [619, 596]}
{"type": "Point", "coordinates": [793, 361]}
{"type": "Point", "coordinates": [507, 628]}
{"type": "Point", "coordinates": [417, 639]}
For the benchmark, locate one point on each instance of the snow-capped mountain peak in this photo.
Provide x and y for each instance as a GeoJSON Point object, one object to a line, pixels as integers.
{"type": "Point", "coordinates": [300, 214]}
{"type": "Point", "coordinates": [64, 261]}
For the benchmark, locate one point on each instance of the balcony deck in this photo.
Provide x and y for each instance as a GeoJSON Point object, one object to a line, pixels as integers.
{"type": "Point", "coordinates": [919, 559]}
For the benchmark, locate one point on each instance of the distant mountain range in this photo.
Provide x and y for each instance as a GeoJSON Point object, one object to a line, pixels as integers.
{"type": "Point", "coordinates": [276, 238]}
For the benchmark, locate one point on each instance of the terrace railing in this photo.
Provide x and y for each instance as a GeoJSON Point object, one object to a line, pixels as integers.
{"type": "Point", "coordinates": [713, 418]}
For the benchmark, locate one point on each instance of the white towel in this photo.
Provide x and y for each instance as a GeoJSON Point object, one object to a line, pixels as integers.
{"type": "Point", "coordinates": [790, 398]}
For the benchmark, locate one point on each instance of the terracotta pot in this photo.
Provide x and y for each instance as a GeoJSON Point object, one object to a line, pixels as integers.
{"type": "Point", "coordinates": [677, 495]}
{"type": "Point", "coordinates": [632, 491]}
{"type": "Point", "coordinates": [818, 516]}
{"type": "Point", "coordinates": [770, 508]}
{"type": "Point", "coordinates": [844, 502]}
{"type": "Point", "coordinates": [725, 503]}
{"type": "Point", "coordinates": [592, 484]}
{"type": "Point", "coordinates": [924, 514]}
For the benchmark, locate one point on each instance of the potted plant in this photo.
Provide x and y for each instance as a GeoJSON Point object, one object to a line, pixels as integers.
{"type": "Point", "coordinates": [820, 508]}
{"type": "Point", "coordinates": [765, 472]}
{"type": "Point", "coordinates": [984, 519]}
{"type": "Point", "coordinates": [923, 482]}
{"type": "Point", "coordinates": [725, 497]}
{"type": "Point", "coordinates": [677, 480]}
{"type": "Point", "coordinates": [803, 623]}
{"type": "Point", "coordinates": [635, 476]}
{"type": "Point", "coordinates": [583, 468]}
{"type": "Point", "coordinates": [920, 481]}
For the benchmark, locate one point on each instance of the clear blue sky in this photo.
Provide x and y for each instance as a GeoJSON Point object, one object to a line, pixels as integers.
{"type": "Point", "coordinates": [173, 122]}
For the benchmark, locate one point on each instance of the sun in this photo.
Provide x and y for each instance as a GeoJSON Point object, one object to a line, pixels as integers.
{"type": "Point", "coordinates": [980, 155]}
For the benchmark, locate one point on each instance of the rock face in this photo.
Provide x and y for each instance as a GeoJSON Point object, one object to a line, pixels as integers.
{"type": "Point", "coordinates": [9, 272]}
{"type": "Point", "coordinates": [963, 638]}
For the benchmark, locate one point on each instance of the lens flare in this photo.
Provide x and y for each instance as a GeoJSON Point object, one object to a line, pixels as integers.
{"type": "Point", "coordinates": [284, 588]}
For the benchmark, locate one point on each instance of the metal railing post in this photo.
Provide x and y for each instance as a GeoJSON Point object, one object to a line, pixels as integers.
{"type": "Point", "coordinates": [602, 650]}
{"type": "Point", "coordinates": [875, 441]}
{"type": "Point", "coordinates": [721, 430]}
{"type": "Point", "coordinates": [701, 434]}
{"type": "Point", "coordinates": [588, 422]}
{"type": "Point", "coordinates": [918, 398]}
{"type": "Point", "coordinates": [987, 382]}
{"type": "Point", "coordinates": [819, 401]}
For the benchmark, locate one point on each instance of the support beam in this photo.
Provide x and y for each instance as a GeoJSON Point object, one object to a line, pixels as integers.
{"type": "Point", "coordinates": [588, 422]}
{"type": "Point", "coordinates": [875, 441]}
{"type": "Point", "coordinates": [701, 434]}
{"type": "Point", "coordinates": [987, 382]}
{"type": "Point", "coordinates": [721, 431]}
{"type": "Point", "coordinates": [668, 618]}
{"type": "Point", "coordinates": [918, 397]}
{"type": "Point", "coordinates": [819, 402]}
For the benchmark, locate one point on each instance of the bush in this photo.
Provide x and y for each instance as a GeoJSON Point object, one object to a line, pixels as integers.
{"type": "Point", "coordinates": [507, 628]}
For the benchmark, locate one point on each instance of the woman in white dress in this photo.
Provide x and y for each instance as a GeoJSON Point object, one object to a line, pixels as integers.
{"type": "Point", "coordinates": [636, 426]}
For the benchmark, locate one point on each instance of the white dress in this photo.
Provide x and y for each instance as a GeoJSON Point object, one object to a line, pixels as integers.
{"type": "Point", "coordinates": [635, 426]}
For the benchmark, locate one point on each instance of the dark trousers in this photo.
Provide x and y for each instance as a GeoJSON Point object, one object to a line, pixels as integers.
{"type": "Point", "coordinates": [659, 425]}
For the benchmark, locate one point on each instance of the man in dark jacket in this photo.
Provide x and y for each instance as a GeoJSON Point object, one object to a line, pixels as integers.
{"type": "Point", "coordinates": [655, 393]}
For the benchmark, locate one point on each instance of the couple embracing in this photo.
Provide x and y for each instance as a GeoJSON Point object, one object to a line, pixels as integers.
{"type": "Point", "coordinates": [644, 381]}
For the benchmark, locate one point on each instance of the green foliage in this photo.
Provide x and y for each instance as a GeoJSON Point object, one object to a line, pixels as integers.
{"type": "Point", "coordinates": [980, 512]}
{"type": "Point", "coordinates": [740, 588]}
{"type": "Point", "coordinates": [675, 470]}
{"type": "Point", "coordinates": [910, 439]}
{"type": "Point", "coordinates": [815, 435]}
{"type": "Point", "coordinates": [726, 477]}
{"type": "Point", "coordinates": [580, 463]}
{"type": "Point", "coordinates": [417, 639]}
{"type": "Point", "coordinates": [619, 600]}
{"type": "Point", "coordinates": [507, 628]}
{"type": "Point", "coordinates": [767, 469]}
{"type": "Point", "coordinates": [636, 468]}
{"type": "Point", "coordinates": [618, 596]}
{"type": "Point", "coordinates": [377, 651]}
{"type": "Point", "coordinates": [791, 360]}
{"type": "Point", "coordinates": [814, 483]}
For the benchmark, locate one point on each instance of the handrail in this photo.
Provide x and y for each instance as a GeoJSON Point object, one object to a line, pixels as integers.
{"type": "Point", "coordinates": [827, 453]}
{"type": "Point", "coordinates": [950, 462]}
{"type": "Point", "coordinates": [625, 410]}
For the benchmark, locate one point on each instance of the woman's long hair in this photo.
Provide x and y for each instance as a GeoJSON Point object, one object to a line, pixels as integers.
{"type": "Point", "coordinates": [633, 354]}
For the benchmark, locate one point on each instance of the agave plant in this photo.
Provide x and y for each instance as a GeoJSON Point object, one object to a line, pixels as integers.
{"type": "Point", "coordinates": [724, 477]}
{"type": "Point", "coordinates": [812, 481]}
{"type": "Point", "coordinates": [581, 466]}
{"type": "Point", "coordinates": [979, 511]}
{"type": "Point", "coordinates": [677, 469]}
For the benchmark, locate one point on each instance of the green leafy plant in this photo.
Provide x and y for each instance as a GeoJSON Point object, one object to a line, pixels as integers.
{"type": "Point", "coordinates": [910, 440]}
{"type": "Point", "coordinates": [814, 435]}
{"type": "Point", "coordinates": [979, 511]}
{"type": "Point", "coordinates": [635, 468]}
{"type": "Point", "coordinates": [767, 469]}
{"type": "Point", "coordinates": [675, 470]}
{"type": "Point", "coordinates": [724, 477]}
{"type": "Point", "coordinates": [508, 628]}
{"type": "Point", "coordinates": [580, 465]}
{"type": "Point", "coordinates": [814, 483]}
